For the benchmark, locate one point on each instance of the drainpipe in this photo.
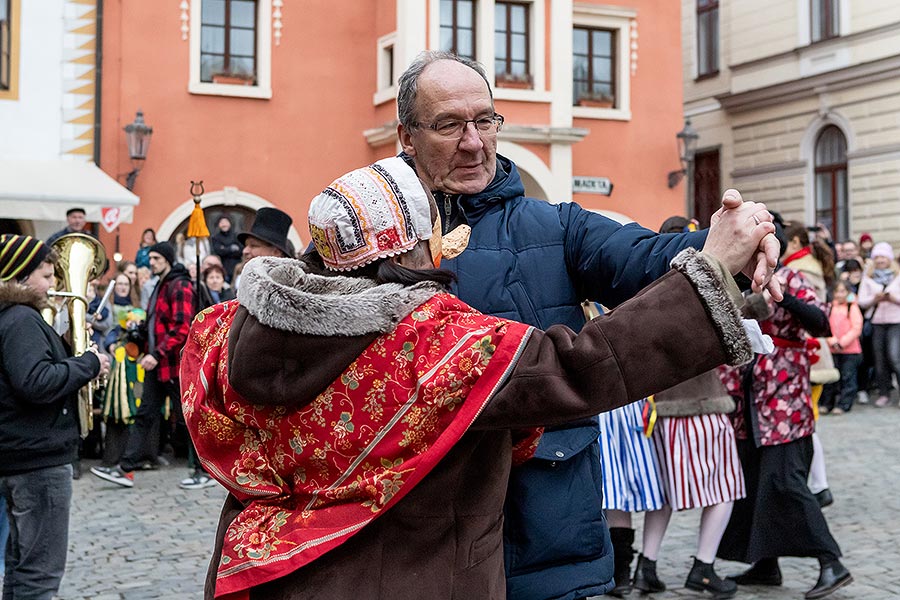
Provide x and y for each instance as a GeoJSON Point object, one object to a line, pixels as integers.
{"type": "Point", "coordinates": [98, 82]}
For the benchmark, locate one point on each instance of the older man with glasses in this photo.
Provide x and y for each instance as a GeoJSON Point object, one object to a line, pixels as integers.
{"type": "Point", "coordinates": [535, 262]}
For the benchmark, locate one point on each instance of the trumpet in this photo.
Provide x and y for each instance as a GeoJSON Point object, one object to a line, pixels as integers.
{"type": "Point", "coordinates": [81, 259]}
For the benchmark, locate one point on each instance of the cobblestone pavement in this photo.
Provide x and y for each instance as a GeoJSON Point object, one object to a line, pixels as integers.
{"type": "Point", "coordinates": [153, 541]}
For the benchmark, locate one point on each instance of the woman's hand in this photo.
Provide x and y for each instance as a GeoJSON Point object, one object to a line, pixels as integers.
{"type": "Point", "coordinates": [741, 236]}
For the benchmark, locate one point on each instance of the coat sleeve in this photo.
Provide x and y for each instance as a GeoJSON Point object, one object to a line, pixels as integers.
{"type": "Point", "coordinates": [610, 262]}
{"type": "Point", "coordinates": [680, 326]}
{"type": "Point", "coordinates": [34, 373]}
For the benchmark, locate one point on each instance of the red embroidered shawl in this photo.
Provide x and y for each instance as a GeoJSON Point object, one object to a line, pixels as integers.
{"type": "Point", "coordinates": [314, 476]}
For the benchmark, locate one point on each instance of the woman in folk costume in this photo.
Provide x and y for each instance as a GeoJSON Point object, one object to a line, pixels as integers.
{"type": "Point", "coordinates": [364, 421]}
{"type": "Point", "coordinates": [774, 425]}
{"type": "Point", "coordinates": [698, 458]}
{"type": "Point", "coordinates": [814, 259]}
{"type": "Point", "coordinates": [631, 484]}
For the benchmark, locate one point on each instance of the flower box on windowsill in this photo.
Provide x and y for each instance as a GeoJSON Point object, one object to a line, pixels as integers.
{"type": "Point", "coordinates": [596, 102]}
{"type": "Point", "coordinates": [515, 83]}
{"type": "Point", "coordinates": [233, 79]}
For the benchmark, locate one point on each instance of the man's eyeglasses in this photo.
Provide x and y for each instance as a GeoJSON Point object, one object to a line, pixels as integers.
{"type": "Point", "coordinates": [454, 129]}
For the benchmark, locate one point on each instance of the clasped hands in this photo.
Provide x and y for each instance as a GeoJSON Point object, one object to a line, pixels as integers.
{"type": "Point", "coordinates": [742, 237]}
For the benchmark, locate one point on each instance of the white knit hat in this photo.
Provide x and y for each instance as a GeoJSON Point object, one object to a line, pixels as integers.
{"type": "Point", "coordinates": [370, 213]}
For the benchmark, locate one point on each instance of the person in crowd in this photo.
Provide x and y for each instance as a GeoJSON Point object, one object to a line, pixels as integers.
{"type": "Point", "coordinates": [39, 429]}
{"type": "Point", "coordinates": [448, 132]}
{"type": "Point", "coordinates": [130, 270]}
{"type": "Point", "coordinates": [879, 296]}
{"type": "Point", "coordinates": [100, 316]}
{"type": "Point", "coordinates": [214, 280]}
{"type": "Point", "coordinates": [267, 237]}
{"type": "Point", "coordinates": [120, 398]}
{"type": "Point", "coordinates": [142, 258]}
{"type": "Point", "coordinates": [812, 257]}
{"type": "Point", "coordinates": [815, 260]}
{"type": "Point", "coordinates": [147, 282]}
{"type": "Point", "coordinates": [851, 273]}
{"type": "Point", "coordinates": [774, 424]}
{"type": "Point", "coordinates": [168, 322]}
{"type": "Point", "coordinates": [846, 328]}
{"type": "Point", "coordinates": [186, 250]}
{"type": "Point", "coordinates": [847, 251]}
{"type": "Point", "coordinates": [75, 223]}
{"type": "Point", "coordinates": [866, 243]}
{"type": "Point", "coordinates": [370, 452]}
{"type": "Point", "coordinates": [225, 245]}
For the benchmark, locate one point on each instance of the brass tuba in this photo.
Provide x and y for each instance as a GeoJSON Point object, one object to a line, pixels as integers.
{"type": "Point", "coordinates": [81, 259]}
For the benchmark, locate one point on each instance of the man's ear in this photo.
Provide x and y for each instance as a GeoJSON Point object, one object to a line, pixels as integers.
{"type": "Point", "coordinates": [405, 137]}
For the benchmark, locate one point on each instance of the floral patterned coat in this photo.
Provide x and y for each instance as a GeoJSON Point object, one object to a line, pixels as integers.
{"type": "Point", "coordinates": [781, 403]}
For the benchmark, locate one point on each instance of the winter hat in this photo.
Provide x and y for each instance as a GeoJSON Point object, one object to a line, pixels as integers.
{"type": "Point", "coordinates": [882, 249]}
{"type": "Point", "coordinates": [164, 249]}
{"type": "Point", "coordinates": [865, 238]}
{"type": "Point", "coordinates": [368, 214]}
{"type": "Point", "coordinates": [20, 255]}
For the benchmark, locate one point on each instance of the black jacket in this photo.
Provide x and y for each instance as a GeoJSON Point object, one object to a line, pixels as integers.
{"type": "Point", "coordinates": [229, 249]}
{"type": "Point", "coordinates": [39, 385]}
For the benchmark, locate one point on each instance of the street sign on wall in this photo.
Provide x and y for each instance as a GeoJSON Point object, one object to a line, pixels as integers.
{"type": "Point", "coordinates": [592, 185]}
{"type": "Point", "coordinates": [111, 217]}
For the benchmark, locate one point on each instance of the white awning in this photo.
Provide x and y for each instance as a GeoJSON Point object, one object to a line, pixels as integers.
{"type": "Point", "coordinates": [44, 190]}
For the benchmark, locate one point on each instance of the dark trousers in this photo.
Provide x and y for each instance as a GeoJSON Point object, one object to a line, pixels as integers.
{"type": "Point", "coordinates": [38, 510]}
{"type": "Point", "coordinates": [842, 393]}
{"type": "Point", "coordinates": [886, 350]}
{"type": "Point", "coordinates": [142, 439]}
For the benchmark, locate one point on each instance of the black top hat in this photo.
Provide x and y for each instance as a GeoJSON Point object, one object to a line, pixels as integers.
{"type": "Point", "coordinates": [270, 226]}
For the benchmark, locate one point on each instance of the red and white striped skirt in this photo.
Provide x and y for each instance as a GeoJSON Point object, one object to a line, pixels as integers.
{"type": "Point", "coordinates": [699, 461]}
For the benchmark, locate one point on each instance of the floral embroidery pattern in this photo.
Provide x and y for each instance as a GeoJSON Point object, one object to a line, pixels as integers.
{"type": "Point", "coordinates": [312, 476]}
{"type": "Point", "coordinates": [782, 403]}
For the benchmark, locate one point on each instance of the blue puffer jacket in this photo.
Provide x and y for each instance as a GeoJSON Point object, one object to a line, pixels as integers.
{"type": "Point", "coordinates": [535, 262]}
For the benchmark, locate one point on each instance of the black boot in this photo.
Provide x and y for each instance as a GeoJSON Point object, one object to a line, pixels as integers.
{"type": "Point", "coordinates": [645, 578]}
{"type": "Point", "coordinates": [765, 571]}
{"type": "Point", "coordinates": [622, 539]}
{"type": "Point", "coordinates": [832, 576]}
{"type": "Point", "coordinates": [703, 578]}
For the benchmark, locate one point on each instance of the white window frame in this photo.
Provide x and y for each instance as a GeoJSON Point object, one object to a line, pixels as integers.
{"type": "Point", "coordinates": [263, 87]}
{"type": "Point", "coordinates": [384, 93]}
{"type": "Point", "coordinates": [618, 20]}
{"type": "Point", "coordinates": [804, 26]}
{"type": "Point", "coordinates": [484, 47]}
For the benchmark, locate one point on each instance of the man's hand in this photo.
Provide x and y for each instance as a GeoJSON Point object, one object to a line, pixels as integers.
{"type": "Point", "coordinates": [149, 362]}
{"type": "Point", "coordinates": [747, 220]}
{"type": "Point", "coordinates": [104, 364]}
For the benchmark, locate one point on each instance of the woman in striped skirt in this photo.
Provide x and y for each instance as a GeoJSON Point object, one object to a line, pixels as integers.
{"type": "Point", "coordinates": [631, 483]}
{"type": "Point", "coordinates": [700, 468]}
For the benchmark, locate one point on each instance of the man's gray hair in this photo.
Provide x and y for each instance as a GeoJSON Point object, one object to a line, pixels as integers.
{"type": "Point", "coordinates": [409, 82]}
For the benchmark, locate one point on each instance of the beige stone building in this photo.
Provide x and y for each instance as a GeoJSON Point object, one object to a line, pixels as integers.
{"type": "Point", "coordinates": [797, 104]}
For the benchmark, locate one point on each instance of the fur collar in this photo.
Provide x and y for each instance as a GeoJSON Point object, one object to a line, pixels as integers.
{"type": "Point", "coordinates": [280, 294]}
{"type": "Point", "coordinates": [12, 292]}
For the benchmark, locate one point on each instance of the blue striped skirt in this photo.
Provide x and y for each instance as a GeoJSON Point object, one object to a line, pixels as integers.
{"type": "Point", "coordinates": [632, 481]}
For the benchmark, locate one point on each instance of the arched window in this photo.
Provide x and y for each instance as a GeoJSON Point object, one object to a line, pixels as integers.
{"type": "Point", "coordinates": [831, 182]}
